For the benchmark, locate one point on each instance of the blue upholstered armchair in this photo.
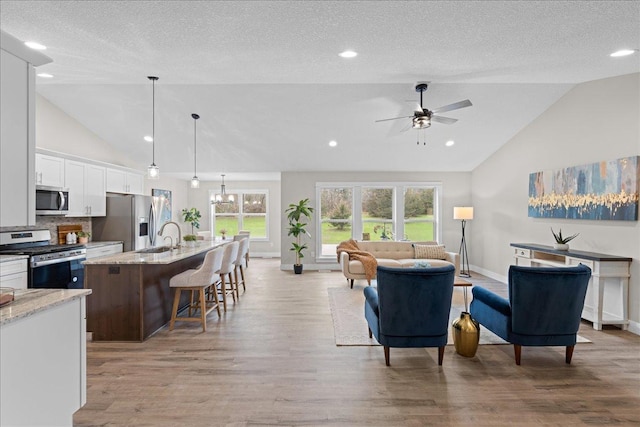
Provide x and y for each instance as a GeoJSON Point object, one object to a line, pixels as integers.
{"type": "Point", "coordinates": [410, 307]}
{"type": "Point", "coordinates": [543, 309]}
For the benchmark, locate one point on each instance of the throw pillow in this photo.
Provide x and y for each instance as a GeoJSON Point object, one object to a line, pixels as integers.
{"type": "Point", "coordinates": [429, 252]}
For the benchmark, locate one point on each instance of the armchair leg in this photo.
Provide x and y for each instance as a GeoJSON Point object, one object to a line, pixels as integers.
{"type": "Point", "coordinates": [386, 355]}
{"type": "Point", "coordinates": [569, 354]}
{"type": "Point", "coordinates": [351, 283]}
{"type": "Point", "coordinates": [370, 333]}
{"type": "Point", "coordinates": [517, 349]}
{"type": "Point", "coordinates": [440, 355]}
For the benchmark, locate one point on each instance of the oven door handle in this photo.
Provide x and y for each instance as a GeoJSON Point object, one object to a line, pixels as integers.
{"type": "Point", "coordinates": [57, 260]}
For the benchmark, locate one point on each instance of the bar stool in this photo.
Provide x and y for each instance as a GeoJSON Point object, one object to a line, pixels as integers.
{"type": "Point", "coordinates": [226, 269]}
{"type": "Point", "coordinates": [196, 280]}
{"type": "Point", "coordinates": [246, 233]}
{"type": "Point", "coordinates": [240, 262]}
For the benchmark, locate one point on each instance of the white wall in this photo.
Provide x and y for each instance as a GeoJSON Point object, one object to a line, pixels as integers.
{"type": "Point", "coordinates": [456, 189]}
{"type": "Point", "coordinates": [57, 131]}
{"type": "Point", "coordinates": [595, 121]}
{"type": "Point", "coordinates": [199, 198]}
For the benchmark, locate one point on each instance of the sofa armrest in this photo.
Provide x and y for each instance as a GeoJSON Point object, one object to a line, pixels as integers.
{"type": "Point", "coordinates": [454, 258]}
{"type": "Point", "coordinates": [344, 261]}
{"type": "Point", "coordinates": [492, 300]}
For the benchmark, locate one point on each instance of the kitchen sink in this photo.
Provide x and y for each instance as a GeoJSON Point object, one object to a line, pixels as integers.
{"type": "Point", "coordinates": [156, 250]}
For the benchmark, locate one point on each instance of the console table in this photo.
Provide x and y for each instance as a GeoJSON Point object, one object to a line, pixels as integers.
{"type": "Point", "coordinates": [607, 271]}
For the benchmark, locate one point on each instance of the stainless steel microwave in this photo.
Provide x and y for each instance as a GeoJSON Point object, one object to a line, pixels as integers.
{"type": "Point", "coordinates": [52, 200]}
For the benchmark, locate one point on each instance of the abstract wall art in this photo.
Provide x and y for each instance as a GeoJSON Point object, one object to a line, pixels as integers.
{"type": "Point", "coordinates": [605, 190]}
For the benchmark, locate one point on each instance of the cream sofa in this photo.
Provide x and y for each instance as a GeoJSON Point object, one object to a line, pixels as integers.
{"type": "Point", "coordinates": [392, 254]}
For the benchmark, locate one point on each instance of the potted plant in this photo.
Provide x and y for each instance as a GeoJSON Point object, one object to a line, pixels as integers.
{"type": "Point", "coordinates": [223, 233]}
{"type": "Point", "coordinates": [83, 237]}
{"type": "Point", "coordinates": [296, 213]}
{"type": "Point", "coordinates": [192, 216]}
{"type": "Point", "coordinates": [384, 235]}
{"type": "Point", "coordinates": [561, 242]}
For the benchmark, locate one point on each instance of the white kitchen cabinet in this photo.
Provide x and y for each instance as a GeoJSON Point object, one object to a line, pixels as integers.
{"type": "Point", "coordinates": [98, 251]}
{"type": "Point", "coordinates": [87, 189]}
{"type": "Point", "coordinates": [43, 358]}
{"type": "Point", "coordinates": [49, 170]}
{"type": "Point", "coordinates": [120, 181]}
{"type": "Point", "coordinates": [13, 274]}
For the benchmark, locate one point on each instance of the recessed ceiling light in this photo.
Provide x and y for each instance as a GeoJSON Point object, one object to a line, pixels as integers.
{"type": "Point", "coordinates": [35, 45]}
{"type": "Point", "coordinates": [332, 143]}
{"type": "Point", "coordinates": [623, 52]}
{"type": "Point", "coordinates": [148, 138]}
{"type": "Point", "coordinates": [348, 54]}
{"type": "Point", "coordinates": [449, 143]}
{"type": "Point", "coordinates": [45, 75]}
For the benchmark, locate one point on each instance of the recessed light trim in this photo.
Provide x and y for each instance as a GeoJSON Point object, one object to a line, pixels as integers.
{"type": "Point", "coordinates": [333, 143]}
{"type": "Point", "coordinates": [45, 75]}
{"type": "Point", "coordinates": [148, 138]}
{"type": "Point", "coordinates": [450, 143]}
{"type": "Point", "coordinates": [623, 52]}
{"type": "Point", "coordinates": [35, 45]}
{"type": "Point", "coordinates": [348, 54]}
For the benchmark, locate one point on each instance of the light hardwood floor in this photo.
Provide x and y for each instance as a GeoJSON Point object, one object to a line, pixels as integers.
{"type": "Point", "coordinates": [272, 360]}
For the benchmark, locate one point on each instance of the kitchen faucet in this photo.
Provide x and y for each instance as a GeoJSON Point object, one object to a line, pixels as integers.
{"type": "Point", "coordinates": [179, 231]}
{"type": "Point", "coordinates": [170, 241]}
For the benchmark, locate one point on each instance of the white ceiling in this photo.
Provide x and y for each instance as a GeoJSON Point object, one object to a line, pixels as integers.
{"type": "Point", "coordinates": [271, 90]}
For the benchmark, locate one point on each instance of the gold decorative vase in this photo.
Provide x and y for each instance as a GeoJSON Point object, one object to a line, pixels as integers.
{"type": "Point", "coordinates": [466, 335]}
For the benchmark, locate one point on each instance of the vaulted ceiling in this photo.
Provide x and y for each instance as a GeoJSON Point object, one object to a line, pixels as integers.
{"type": "Point", "coordinates": [271, 90]}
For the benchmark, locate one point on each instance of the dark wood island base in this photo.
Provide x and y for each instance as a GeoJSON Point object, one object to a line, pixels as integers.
{"type": "Point", "coordinates": [131, 298]}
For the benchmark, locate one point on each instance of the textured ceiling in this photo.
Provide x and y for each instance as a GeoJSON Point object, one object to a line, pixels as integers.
{"type": "Point", "coordinates": [271, 91]}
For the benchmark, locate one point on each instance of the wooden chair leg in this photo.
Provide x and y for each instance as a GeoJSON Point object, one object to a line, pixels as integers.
{"type": "Point", "coordinates": [244, 287]}
{"type": "Point", "coordinates": [190, 302]}
{"type": "Point", "coordinates": [235, 276]}
{"type": "Point", "coordinates": [517, 349]}
{"type": "Point", "coordinates": [203, 310]}
{"type": "Point", "coordinates": [386, 355]}
{"type": "Point", "coordinates": [440, 355]}
{"type": "Point", "coordinates": [370, 333]}
{"type": "Point", "coordinates": [233, 289]}
{"type": "Point", "coordinates": [215, 297]}
{"type": "Point", "coordinates": [351, 283]}
{"type": "Point", "coordinates": [569, 354]}
{"type": "Point", "coordinates": [174, 311]}
{"type": "Point", "coordinates": [223, 292]}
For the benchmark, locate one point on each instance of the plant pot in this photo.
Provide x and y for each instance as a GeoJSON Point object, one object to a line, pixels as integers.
{"type": "Point", "coordinates": [83, 240]}
{"type": "Point", "coordinates": [561, 246]}
{"type": "Point", "coordinates": [297, 268]}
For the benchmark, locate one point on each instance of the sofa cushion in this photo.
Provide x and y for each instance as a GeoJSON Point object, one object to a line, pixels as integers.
{"type": "Point", "coordinates": [429, 251]}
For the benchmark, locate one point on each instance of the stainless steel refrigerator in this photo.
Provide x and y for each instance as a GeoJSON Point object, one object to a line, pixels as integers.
{"type": "Point", "coordinates": [132, 219]}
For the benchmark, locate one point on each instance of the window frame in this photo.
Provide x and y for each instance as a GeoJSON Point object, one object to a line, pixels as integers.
{"type": "Point", "coordinates": [240, 214]}
{"type": "Point", "coordinates": [397, 220]}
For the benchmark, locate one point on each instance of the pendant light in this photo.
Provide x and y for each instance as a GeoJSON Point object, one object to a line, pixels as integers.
{"type": "Point", "coordinates": [195, 182]}
{"type": "Point", "coordinates": [223, 197]}
{"type": "Point", "coordinates": [153, 171]}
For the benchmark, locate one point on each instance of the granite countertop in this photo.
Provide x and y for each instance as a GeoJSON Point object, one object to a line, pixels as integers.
{"type": "Point", "coordinates": [99, 244]}
{"type": "Point", "coordinates": [158, 258]}
{"type": "Point", "coordinates": [31, 301]}
{"type": "Point", "coordinates": [7, 258]}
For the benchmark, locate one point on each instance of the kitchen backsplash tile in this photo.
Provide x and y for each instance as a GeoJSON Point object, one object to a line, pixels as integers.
{"type": "Point", "coordinates": [52, 223]}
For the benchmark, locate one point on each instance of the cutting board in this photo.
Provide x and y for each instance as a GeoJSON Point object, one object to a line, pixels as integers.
{"type": "Point", "coordinates": [63, 230]}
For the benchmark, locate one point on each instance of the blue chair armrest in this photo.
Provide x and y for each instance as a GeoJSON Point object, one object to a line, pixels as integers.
{"type": "Point", "coordinates": [371, 295]}
{"type": "Point", "coordinates": [494, 301]}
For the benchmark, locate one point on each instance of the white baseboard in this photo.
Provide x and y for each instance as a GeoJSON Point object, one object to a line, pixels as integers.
{"type": "Point", "coordinates": [490, 274]}
{"type": "Point", "coordinates": [264, 255]}
{"type": "Point", "coordinates": [634, 327]}
{"type": "Point", "coordinates": [313, 267]}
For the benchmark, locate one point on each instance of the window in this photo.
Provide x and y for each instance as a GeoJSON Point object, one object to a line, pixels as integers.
{"type": "Point", "coordinates": [376, 211]}
{"type": "Point", "coordinates": [336, 219]}
{"type": "Point", "coordinates": [419, 221]}
{"type": "Point", "coordinates": [248, 211]}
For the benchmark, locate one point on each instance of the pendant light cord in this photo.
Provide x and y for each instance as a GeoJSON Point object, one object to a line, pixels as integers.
{"type": "Point", "coordinates": [153, 123]}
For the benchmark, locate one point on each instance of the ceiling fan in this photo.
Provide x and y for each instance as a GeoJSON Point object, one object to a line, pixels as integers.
{"type": "Point", "coordinates": [422, 117]}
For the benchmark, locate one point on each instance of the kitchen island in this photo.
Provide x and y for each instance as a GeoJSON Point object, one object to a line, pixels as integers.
{"type": "Point", "coordinates": [131, 298]}
{"type": "Point", "coordinates": [43, 362]}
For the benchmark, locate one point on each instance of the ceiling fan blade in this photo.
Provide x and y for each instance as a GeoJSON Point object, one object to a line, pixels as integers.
{"type": "Point", "coordinates": [454, 106]}
{"type": "Point", "coordinates": [445, 120]}
{"type": "Point", "coordinates": [418, 109]}
{"type": "Point", "coordinates": [395, 118]}
{"type": "Point", "coordinates": [406, 128]}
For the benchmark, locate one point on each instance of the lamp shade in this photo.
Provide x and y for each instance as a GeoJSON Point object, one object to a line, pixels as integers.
{"type": "Point", "coordinates": [463, 212]}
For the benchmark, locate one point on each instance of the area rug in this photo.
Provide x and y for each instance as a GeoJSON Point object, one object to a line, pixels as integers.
{"type": "Point", "coordinates": [350, 326]}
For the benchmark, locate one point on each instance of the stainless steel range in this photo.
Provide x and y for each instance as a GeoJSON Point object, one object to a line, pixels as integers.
{"type": "Point", "coordinates": [50, 266]}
